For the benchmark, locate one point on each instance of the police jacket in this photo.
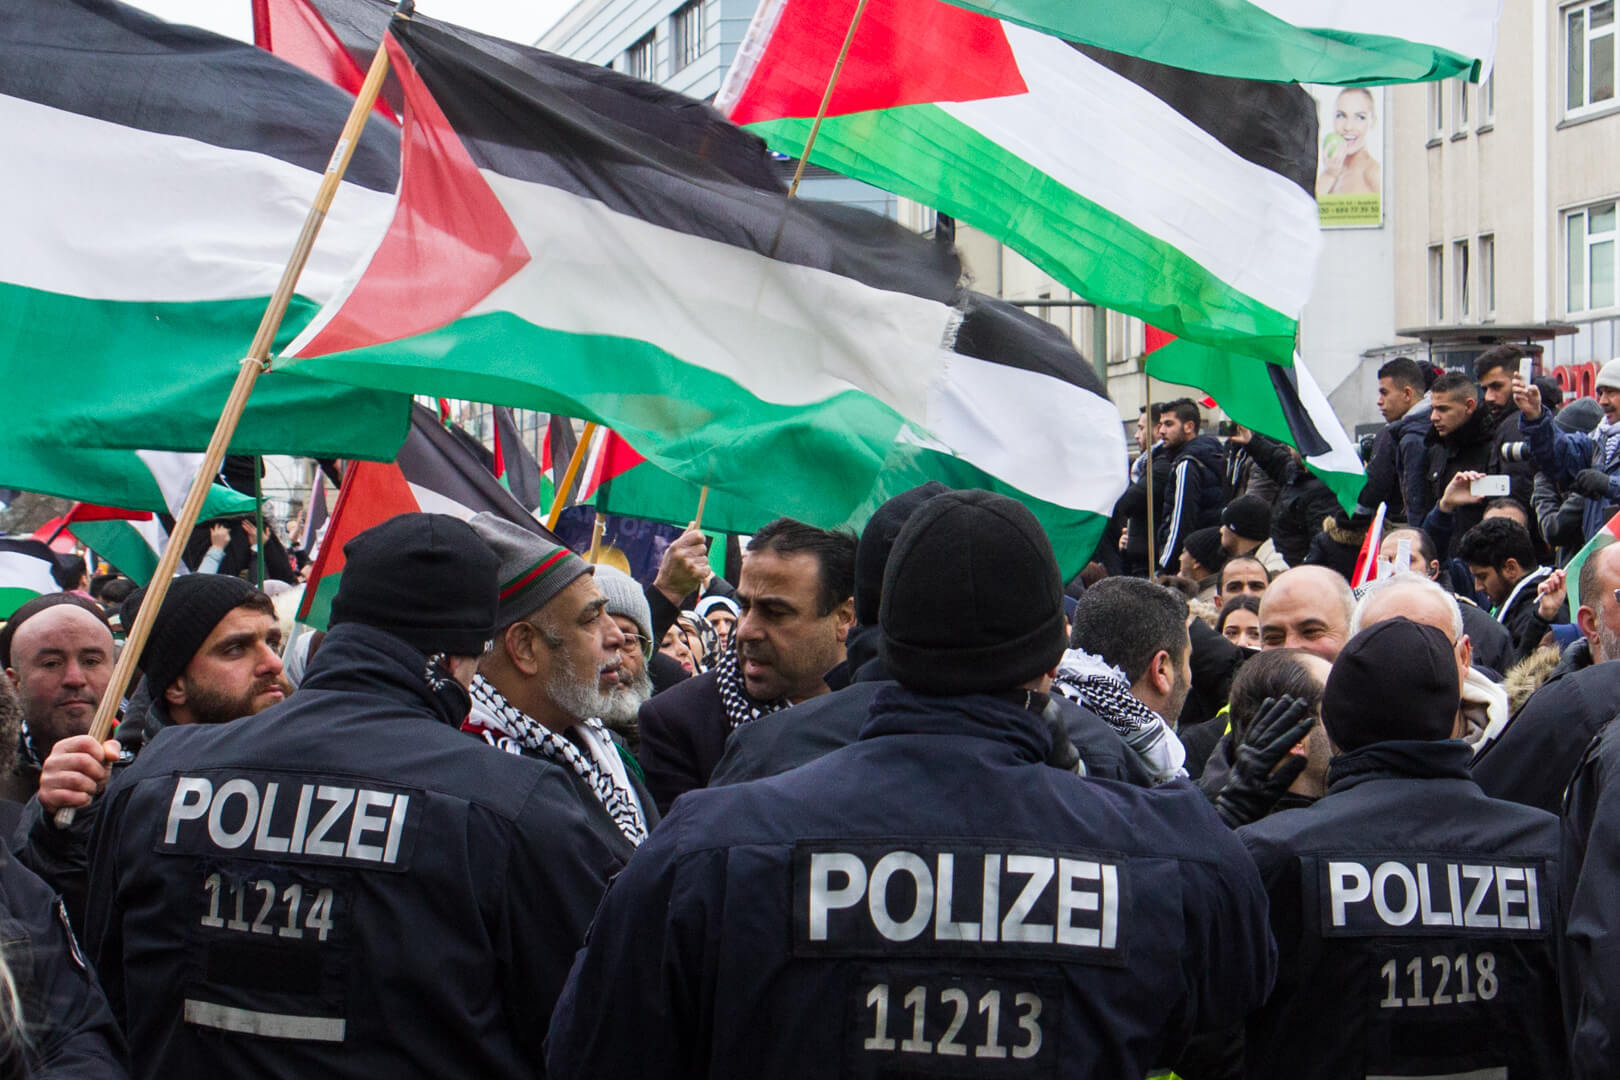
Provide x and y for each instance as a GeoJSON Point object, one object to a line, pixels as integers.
{"type": "Point", "coordinates": [1591, 976]}
{"type": "Point", "coordinates": [1193, 497]}
{"type": "Point", "coordinates": [1536, 754]}
{"type": "Point", "coordinates": [929, 900]}
{"type": "Point", "coordinates": [342, 885]}
{"type": "Point", "coordinates": [1416, 921]}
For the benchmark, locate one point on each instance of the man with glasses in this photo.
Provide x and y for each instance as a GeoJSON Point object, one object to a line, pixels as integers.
{"type": "Point", "coordinates": [556, 672]}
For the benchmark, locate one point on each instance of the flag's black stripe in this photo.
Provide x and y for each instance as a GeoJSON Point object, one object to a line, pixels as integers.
{"type": "Point", "coordinates": [433, 458]}
{"type": "Point", "coordinates": [522, 471]}
{"type": "Point", "coordinates": [657, 156]}
{"type": "Point", "coordinates": [114, 63]}
{"type": "Point", "coordinates": [1001, 333]}
{"type": "Point", "coordinates": [1270, 124]}
{"type": "Point", "coordinates": [1308, 440]}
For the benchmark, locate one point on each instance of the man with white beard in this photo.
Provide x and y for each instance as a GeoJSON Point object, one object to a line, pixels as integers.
{"type": "Point", "coordinates": [555, 672]}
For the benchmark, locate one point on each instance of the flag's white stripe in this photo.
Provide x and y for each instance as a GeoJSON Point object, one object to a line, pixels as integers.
{"type": "Point", "coordinates": [173, 473]}
{"type": "Point", "coordinates": [1342, 457]}
{"type": "Point", "coordinates": [431, 502]}
{"type": "Point", "coordinates": [1144, 162]}
{"type": "Point", "coordinates": [19, 571]}
{"type": "Point", "coordinates": [1465, 27]}
{"type": "Point", "coordinates": [110, 212]}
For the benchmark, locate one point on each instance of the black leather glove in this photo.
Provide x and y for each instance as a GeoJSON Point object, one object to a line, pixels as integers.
{"type": "Point", "coordinates": [1064, 755]}
{"type": "Point", "coordinates": [1593, 483]}
{"type": "Point", "coordinates": [1263, 768]}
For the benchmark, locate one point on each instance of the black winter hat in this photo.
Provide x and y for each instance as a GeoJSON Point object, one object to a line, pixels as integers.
{"type": "Point", "coordinates": [1205, 546]}
{"type": "Point", "coordinates": [877, 540]}
{"type": "Point", "coordinates": [1249, 516]}
{"type": "Point", "coordinates": [428, 579]}
{"type": "Point", "coordinates": [1397, 679]}
{"type": "Point", "coordinates": [191, 609]}
{"type": "Point", "coordinates": [972, 600]}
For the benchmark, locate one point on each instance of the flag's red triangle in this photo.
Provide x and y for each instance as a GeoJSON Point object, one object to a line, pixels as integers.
{"type": "Point", "coordinates": [372, 492]}
{"type": "Point", "coordinates": [905, 52]}
{"type": "Point", "coordinates": [1156, 339]}
{"type": "Point", "coordinates": [295, 32]}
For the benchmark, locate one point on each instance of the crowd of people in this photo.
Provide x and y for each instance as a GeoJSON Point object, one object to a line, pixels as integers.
{"type": "Point", "coordinates": [902, 804]}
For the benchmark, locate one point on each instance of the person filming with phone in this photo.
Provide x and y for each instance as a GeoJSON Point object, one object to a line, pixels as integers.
{"type": "Point", "coordinates": [1588, 465]}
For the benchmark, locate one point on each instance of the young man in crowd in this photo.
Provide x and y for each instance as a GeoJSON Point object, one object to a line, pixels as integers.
{"type": "Point", "coordinates": [1194, 493]}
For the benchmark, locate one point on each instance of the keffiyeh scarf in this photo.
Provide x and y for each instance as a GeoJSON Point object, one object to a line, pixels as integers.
{"type": "Point", "coordinates": [1091, 681]}
{"type": "Point", "coordinates": [1607, 437]}
{"type": "Point", "coordinates": [506, 727]}
{"type": "Point", "coordinates": [740, 708]}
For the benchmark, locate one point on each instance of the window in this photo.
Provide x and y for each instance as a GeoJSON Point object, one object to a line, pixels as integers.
{"type": "Point", "coordinates": [1459, 106]}
{"type": "Point", "coordinates": [638, 59]}
{"type": "Point", "coordinates": [1487, 275]}
{"type": "Point", "coordinates": [1487, 102]}
{"type": "Point", "coordinates": [686, 34]}
{"type": "Point", "coordinates": [1437, 283]}
{"type": "Point", "coordinates": [1459, 270]}
{"type": "Point", "coordinates": [1589, 56]}
{"type": "Point", "coordinates": [1437, 111]}
{"type": "Point", "coordinates": [1590, 245]}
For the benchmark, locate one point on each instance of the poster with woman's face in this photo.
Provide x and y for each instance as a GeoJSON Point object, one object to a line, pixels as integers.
{"type": "Point", "coordinates": [1350, 140]}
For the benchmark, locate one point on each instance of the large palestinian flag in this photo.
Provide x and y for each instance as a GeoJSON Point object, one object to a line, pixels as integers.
{"type": "Point", "coordinates": [1184, 199]}
{"type": "Point", "coordinates": [158, 177]}
{"type": "Point", "coordinates": [576, 242]}
{"type": "Point", "coordinates": [1322, 41]}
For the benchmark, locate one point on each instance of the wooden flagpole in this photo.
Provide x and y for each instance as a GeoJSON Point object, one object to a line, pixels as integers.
{"type": "Point", "coordinates": [256, 362]}
{"type": "Point", "coordinates": [560, 501]}
{"type": "Point", "coordinates": [703, 500]}
{"type": "Point", "coordinates": [1148, 474]}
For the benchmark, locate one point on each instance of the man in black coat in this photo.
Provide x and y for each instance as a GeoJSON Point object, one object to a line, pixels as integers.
{"type": "Point", "coordinates": [1461, 441]}
{"type": "Point", "coordinates": [1195, 492]}
{"type": "Point", "coordinates": [1395, 475]}
{"type": "Point", "coordinates": [1303, 500]}
{"type": "Point", "coordinates": [1494, 370]}
{"type": "Point", "coordinates": [1591, 983]}
{"type": "Point", "coordinates": [1131, 511]}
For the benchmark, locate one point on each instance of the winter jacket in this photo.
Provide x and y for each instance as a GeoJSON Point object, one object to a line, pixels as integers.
{"type": "Point", "coordinates": [1562, 454]}
{"type": "Point", "coordinates": [1193, 497]}
{"type": "Point", "coordinates": [1468, 449]}
{"type": "Point", "coordinates": [1416, 923]}
{"type": "Point", "coordinates": [343, 885]}
{"type": "Point", "coordinates": [1591, 972]}
{"type": "Point", "coordinates": [1396, 474]}
{"type": "Point", "coordinates": [1519, 469]}
{"type": "Point", "coordinates": [1532, 760]}
{"type": "Point", "coordinates": [1519, 615]}
{"type": "Point", "coordinates": [1303, 500]}
{"type": "Point", "coordinates": [1078, 926]}
{"type": "Point", "coordinates": [1131, 511]}
{"type": "Point", "coordinates": [1493, 645]}
{"type": "Point", "coordinates": [1559, 517]}
{"type": "Point", "coordinates": [1337, 546]}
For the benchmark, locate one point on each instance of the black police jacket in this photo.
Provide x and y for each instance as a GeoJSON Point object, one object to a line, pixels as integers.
{"type": "Point", "coordinates": [342, 885]}
{"type": "Point", "coordinates": [1536, 754]}
{"type": "Point", "coordinates": [1591, 973]}
{"type": "Point", "coordinates": [1416, 921]}
{"type": "Point", "coordinates": [930, 900]}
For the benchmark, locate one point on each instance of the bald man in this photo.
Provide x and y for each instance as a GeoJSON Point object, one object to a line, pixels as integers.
{"type": "Point", "coordinates": [58, 653]}
{"type": "Point", "coordinates": [1308, 607]}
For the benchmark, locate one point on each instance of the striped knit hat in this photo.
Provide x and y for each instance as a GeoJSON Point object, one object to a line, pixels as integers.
{"type": "Point", "coordinates": [533, 568]}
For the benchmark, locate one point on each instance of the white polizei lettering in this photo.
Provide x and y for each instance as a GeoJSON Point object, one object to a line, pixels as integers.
{"type": "Point", "coordinates": [877, 895]}
{"type": "Point", "coordinates": [824, 898]}
{"type": "Point", "coordinates": [1531, 898]}
{"type": "Point", "coordinates": [1040, 870]}
{"type": "Point", "coordinates": [1482, 877]}
{"type": "Point", "coordinates": [191, 797]}
{"type": "Point", "coordinates": [1110, 910]}
{"type": "Point", "coordinates": [262, 840]}
{"type": "Point", "coordinates": [1426, 910]}
{"type": "Point", "coordinates": [1506, 895]}
{"type": "Point", "coordinates": [1071, 899]}
{"type": "Point", "coordinates": [1454, 877]}
{"type": "Point", "coordinates": [1380, 898]}
{"type": "Point", "coordinates": [396, 826]}
{"type": "Point", "coordinates": [944, 889]}
{"type": "Point", "coordinates": [301, 820]}
{"type": "Point", "coordinates": [340, 798]}
{"type": "Point", "coordinates": [1341, 891]}
{"type": "Point", "coordinates": [990, 903]}
{"type": "Point", "coordinates": [250, 814]}
{"type": "Point", "coordinates": [363, 822]}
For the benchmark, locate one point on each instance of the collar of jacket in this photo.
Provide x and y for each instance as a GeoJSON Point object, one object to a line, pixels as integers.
{"type": "Point", "coordinates": [1578, 657]}
{"type": "Point", "coordinates": [1479, 428]}
{"type": "Point", "coordinates": [898, 711]}
{"type": "Point", "coordinates": [1400, 759]}
{"type": "Point", "coordinates": [358, 658]}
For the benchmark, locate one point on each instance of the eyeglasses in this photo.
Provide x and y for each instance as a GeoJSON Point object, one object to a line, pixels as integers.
{"type": "Point", "coordinates": [634, 643]}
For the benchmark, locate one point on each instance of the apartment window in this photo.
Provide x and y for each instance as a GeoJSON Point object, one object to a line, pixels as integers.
{"type": "Point", "coordinates": [1459, 270]}
{"type": "Point", "coordinates": [1589, 56]}
{"type": "Point", "coordinates": [1487, 102]}
{"type": "Point", "coordinates": [686, 34]}
{"type": "Point", "coordinates": [1437, 111]}
{"type": "Point", "coordinates": [1590, 246]}
{"type": "Point", "coordinates": [638, 59]}
{"type": "Point", "coordinates": [1459, 106]}
{"type": "Point", "coordinates": [1487, 275]}
{"type": "Point", "coordinates": [1437, 283]}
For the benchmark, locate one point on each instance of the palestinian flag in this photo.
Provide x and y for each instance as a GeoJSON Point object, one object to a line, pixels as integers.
{"type": "Point", "coordinates": [434, 473]}
{"type": "Point", "coordinates": [159, 176]}
{"type": "Point", "coordinates": [1572, 572]}
{"type": "Point", "coordinates": [26, 567]}
{"type": "Point", "coordinates": [133, 540]}
{"type": "Point", "coordinates": [1318, 41]}
{"type": "Point", "coordinates": [603, 248]}
{"type": "Point", "coordinates": [515, 467]}
{"type": "Point", "coordinates": [296, 32]}
{"type": "Point", "coordinates": [1187, 200]}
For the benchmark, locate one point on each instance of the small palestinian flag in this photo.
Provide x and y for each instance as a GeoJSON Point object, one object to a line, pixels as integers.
{"type": "Point", "coordinates": [25, 572]}
{"type": "Point", "coordinates": [1572, 572]}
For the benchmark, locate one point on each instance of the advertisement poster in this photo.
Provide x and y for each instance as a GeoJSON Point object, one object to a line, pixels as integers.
{"type": "Point", "coordinates": [1350, 145]}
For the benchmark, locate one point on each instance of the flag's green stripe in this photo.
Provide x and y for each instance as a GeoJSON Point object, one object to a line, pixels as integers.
{"type": "Point", "coordinates": [119, 543]}
{"type": "Point", "coordinates": [320, 608]}
{"type": "Point", "coordinates": [924, 153]}
{"type": "Point", "coordinates": [1240, 385]}
{"type": "Point", "coordinates": [1233, 37]}
{"type": "Point", "coordinates": [155, 376]}
{"type": "Point", "coordinates": [13, 598]}
{"type": "Point", "coordinates": [105, 477]}
{"type": "Point", "coordinates": [1572, 572]}
{"type": "Point", "coordinates": [830, 463]}
{"type": "Point", "coordinates": [224, 502]}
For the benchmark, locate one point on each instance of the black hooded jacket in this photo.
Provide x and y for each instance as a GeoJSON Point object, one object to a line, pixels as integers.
{"type": "Point", "coordinates": [1468, 449]}
{"type": "Point", "coordinates": [1193, 497]}
{"type": "Point", "coordinates": [1303, 500]}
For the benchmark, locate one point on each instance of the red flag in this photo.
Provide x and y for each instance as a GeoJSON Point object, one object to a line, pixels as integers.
{"type": "Point", "coordinates": [1367, 561]}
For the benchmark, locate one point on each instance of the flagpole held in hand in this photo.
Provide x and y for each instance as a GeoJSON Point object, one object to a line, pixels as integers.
{"type": "Point", "coordinates": [256, 362]}
{"type": "Point", "coordinates": [1148, 473]}
{"type": "Point", "coordinates": [703, 499]}
{"type": "Point", "coordinates": [581, 448]}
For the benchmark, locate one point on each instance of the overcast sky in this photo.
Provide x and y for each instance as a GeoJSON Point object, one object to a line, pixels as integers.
{"type": "Point", "coordinates": [519, 20]}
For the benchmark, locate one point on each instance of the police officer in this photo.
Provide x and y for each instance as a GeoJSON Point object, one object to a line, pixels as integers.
{"type": "Point", "coordinates": [933, 898]}
{"type": "Point", "coordinates": [346, 884]}
{"type": "Point", "coordinates": [1416, 918]}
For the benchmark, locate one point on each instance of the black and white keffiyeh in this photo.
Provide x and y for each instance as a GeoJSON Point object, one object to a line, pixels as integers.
{"type": "Point", "coordinates": [740, 708]}
{"type": "Point", "coordinates": [506, 727]}
{"type": "Point", "coordinates": [1093, 682]}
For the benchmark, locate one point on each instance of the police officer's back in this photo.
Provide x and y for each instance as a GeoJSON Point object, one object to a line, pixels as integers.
{"type": "Point", "coordinates": [932, 899]}
{"type": "Point", "coordinates": [1416, 918]}
{"type": "Point", "coordinates": [345, 884]}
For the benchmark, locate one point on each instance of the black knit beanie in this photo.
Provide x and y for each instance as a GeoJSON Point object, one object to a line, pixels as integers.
{"type": "Point", "coordinates": [877, 541]}
{"type": "Point", "coordinates": [191, 609]}
{"type": "Point", "coordinates": [972, 602]}
{"type": "Point", "coordinates": [1205, 546]}
{"type": "Point", "coordinates": [425, 578]}
{"type": "Point", "coordinates": [1397, 679]}
{"type": "Point", "coordinates": [1249, 516]}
